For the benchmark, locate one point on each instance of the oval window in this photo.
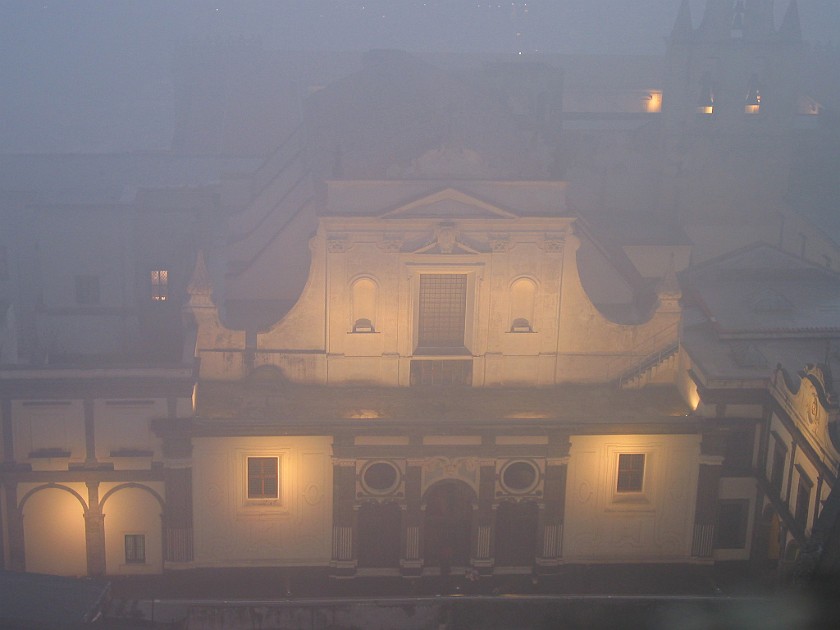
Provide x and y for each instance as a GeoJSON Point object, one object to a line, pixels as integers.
{"type": "Point", "coordinates": [520, 476]}
{"type": "Point", "coordinates": [380, 477]}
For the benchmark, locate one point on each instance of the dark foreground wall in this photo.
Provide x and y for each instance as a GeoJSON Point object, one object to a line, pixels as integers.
{"type": "Point", "coordinates": [509, 612]}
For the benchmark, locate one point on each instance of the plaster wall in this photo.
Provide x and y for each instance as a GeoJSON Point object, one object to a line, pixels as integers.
{"type": "Point", "coordinates": [231, 530]}
{"type": "Point", "coordinates": [656, 524]}
{"type": "Point", "coordinates": [41, 427]}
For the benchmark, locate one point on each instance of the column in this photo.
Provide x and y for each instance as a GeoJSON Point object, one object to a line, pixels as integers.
{"type": "Point", "coordinates": [343, 560]}
{"type": "Point", "coordinates": [411, 562]}
{"type": "Point", "coordinates": [549, 553]}
{"type": "Point", "coordinates": [14, 518]}
{"type": "Point", "coordinates": [94, 532]}
{"type": "Point", "coordinates": [484, 519]}
{"type": "Point", "coordinates": [708, 481]}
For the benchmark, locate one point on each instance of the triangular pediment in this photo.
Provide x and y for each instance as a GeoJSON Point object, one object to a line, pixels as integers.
{"type": "Point", "coordinates": [448, 203]}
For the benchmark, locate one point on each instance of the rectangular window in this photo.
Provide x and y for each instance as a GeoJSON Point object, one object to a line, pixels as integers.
{"type": "Point", "coordinates": [159, 283]}
{"type": "Point", "coordinates": [803, 500]}
{"type": "Point", "coordinates": [135, 548]}
{"type": "Point", "coordinates": [443, 308]}
{"type": "Point", "coordinates": [777, 472]}
{"type": "Point", "coordinates": [263, 478]}
{"type": "Point", "coordinates": [631, 472]}
{"type": "Point", "coordinates": [731, 531]}
{"type": "Point", "coordinates": [87, 289]}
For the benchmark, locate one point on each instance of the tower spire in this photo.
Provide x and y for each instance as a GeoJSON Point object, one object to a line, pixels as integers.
{"type": "Point", "coordinates": [791, 28]}
{"type": "Point", "coordinates": [683, 28]}
{"type": "Point", "coordinates": [717, 20]}
{"type": "Point", "coordinates": [758, 20]}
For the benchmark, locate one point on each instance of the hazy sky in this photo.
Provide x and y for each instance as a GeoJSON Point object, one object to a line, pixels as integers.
{"type": "Point", "coordinates": [73, 71]}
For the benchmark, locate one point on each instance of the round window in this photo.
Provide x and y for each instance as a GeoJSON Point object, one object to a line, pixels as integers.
{"type": "Point", "coordinates": [380, 477]}
{"type": "Point", "coordinates": [520, 476]}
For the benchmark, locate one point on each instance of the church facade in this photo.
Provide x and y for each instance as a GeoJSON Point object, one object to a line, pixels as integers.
{"type": "Point", "coordinates": [392, 353]}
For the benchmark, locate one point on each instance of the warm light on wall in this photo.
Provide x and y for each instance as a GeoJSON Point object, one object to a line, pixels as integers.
{"type": "Point", "coordinates": [654, 103]}
{"type": "Point", "coordinates": [753, 104]}
{"type": "Point", "coordinates": [706, 101]}
{"type": "Point", "coordinates": [360, 414]}
{"type": "Point", "coordinates": [525, 415]}
{"type": "Point", "coordinates": [693, 398]}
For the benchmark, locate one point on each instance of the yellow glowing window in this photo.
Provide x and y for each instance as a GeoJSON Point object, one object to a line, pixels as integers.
{"type": "Point", "coordinates": [753, 104]}
{"type": "Point", "coordinates": [706, 100]}
{"type": "Point", "coordinates": [631, 472]}
{"type": "Point", "coordinates": [159, 282]}
{"type": "Point", "coordinates": [263, 478]}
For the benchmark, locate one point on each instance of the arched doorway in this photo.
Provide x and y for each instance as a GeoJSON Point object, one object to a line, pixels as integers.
{"type": "Point", "coordinates": [379, 527]}
{"type": "Point", "coordinates": [516, 533]}
{"type": "Point", "coordinates": [448, 524]}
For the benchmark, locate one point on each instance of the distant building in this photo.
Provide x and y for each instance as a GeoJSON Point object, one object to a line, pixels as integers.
{"type": "Point", "coordinates": [502, 317]}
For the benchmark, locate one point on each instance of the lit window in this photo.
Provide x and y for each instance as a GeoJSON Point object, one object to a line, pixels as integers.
{"type": "Point", "coordinates": [263, 478]}
{"type": "Point", "coordinates": [706, 101]}
{"type": "Point", "coordinates": [87, 289]}
{"type": "Point", "coordinates": [753, 103]}
{"type": "Point", "coordinates": [631, 472]}
{"type": "Point", "coordinates": [159, 283]}
{"type": "Point", "coordinates": [135, 548]}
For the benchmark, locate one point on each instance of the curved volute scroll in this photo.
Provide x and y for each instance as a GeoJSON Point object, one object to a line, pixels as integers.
{"type": "Point", "coordinates": [668, 290]}
{"type": "Point", "coordinates": [812, 404]}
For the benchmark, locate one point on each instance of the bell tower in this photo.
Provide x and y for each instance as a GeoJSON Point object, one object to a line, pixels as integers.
{"type": "Point", "coordinates": [729, 103]}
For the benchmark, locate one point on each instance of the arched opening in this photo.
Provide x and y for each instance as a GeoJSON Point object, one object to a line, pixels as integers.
{"type": "Point", "coordinates": [363, 296]}
{"type": "Point", "coordinates": [54, 531]}
{"type": "Point", "coordinates": [447, 525]}
{"type": "Point", "coordinates": [379, 526]}
{"type": "Point", "coordinates": [522, 296]}
{"type": "Point", "coordinates": [133, 530]}
{"type": "Point", "coordinates": [516, 533]}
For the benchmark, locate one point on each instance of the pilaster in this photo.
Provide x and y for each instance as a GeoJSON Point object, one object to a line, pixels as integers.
{"type": "Point", "coordinates": [549, 552]}
{"type": "Point", "coordinates": [411, 560]}
{"type": "Point", "coordinates": [94, 532]}
{"type": "Point", "coordinates": [14, 518]}
{"type": "Point", "coordinates": [178, 512]}
{"type": "Point", "coordinates": [343, 561]}
{"type": "Point", "coordinates": [708, 482]}
{"type": "Point", "coordinates": [484, 521]}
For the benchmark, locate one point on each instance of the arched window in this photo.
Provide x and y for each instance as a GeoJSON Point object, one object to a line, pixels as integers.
{"type": "Point", "coordinates": [522, 297]}
{"type": "Point", "coordinates": [363, 305]}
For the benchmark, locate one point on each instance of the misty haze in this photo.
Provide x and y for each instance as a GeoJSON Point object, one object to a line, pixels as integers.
{"type": "Point", "coordinates": [443, 314]}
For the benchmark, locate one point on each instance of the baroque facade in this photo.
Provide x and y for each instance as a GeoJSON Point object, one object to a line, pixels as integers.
{"type": "Point", "coordinates": [401, 342]}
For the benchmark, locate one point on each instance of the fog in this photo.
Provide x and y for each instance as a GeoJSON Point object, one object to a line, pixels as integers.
{"type": "Point", "coordinates": [518, 313]}
{"type": "Point", "coordinates": [96, 75]}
